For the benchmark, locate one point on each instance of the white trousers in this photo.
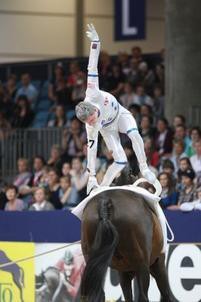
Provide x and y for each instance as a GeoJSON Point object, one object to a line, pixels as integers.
{"type": "Point", "coordinates": [125, 123]}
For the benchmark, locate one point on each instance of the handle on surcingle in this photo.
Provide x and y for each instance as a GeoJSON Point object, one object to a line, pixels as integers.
{"type": "Point", "coordinates": [156, 185]}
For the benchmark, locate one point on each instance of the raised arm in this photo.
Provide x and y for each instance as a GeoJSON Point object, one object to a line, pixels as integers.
{"type": "Point", "coordinates": [92, 79]}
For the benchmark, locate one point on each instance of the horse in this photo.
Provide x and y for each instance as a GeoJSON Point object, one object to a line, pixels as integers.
{"type": "Point", "coordinates": [119, 229]}
{"type": "Point", "coordinates": [52, 288]}
{"type": "Point", "coordinates": [15, 270]}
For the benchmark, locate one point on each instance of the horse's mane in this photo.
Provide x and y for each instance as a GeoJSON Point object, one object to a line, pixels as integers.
{"type": "Point", "coordinates": [126, 177]}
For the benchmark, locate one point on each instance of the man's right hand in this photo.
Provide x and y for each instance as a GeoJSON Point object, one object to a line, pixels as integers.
{"type": "Point", "coordinates": [91, 33]}
{"type": "Point", "coordinates": [92, 184]}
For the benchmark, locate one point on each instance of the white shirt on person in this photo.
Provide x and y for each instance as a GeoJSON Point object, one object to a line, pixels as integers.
{"type": "Point", "coordinates": [196, 163]}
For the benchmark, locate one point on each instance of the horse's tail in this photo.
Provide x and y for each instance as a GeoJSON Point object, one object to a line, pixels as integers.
{"type": "Point", "coordinates": [101, 254]}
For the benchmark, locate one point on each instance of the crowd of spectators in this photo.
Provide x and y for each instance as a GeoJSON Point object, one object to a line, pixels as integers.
{"type": "Point", "coordinates": [173, 150]}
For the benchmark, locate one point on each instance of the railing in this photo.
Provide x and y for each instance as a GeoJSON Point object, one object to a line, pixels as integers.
{"type": "Point", "coordinates": [25, 143]}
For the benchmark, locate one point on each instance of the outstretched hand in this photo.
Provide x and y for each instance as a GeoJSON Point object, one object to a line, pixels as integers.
{"type": "Point", "coordinates": [91, 33]}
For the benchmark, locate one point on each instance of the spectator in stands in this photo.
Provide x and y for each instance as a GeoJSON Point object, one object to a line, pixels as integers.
{"type": "Point", "coordinates": [135, 111]}
{"type": "Point", "coordinates": [56, 88]}
{"type": "Point", "coordinates": [184, 165]}
{"type": "Point", "coordinates": [28, 89]}
{"type": "Point", "coordinates": [127, 98]}
{"type": "Point", "coordinates": [55, 160]}
{"type": "Point", "coordinates": [146, 129]}
{"type": "Point", "coordinates": [60, 119]}
{"type": "Point", "coordinates": [177, 154]}
{"type": "Point", "coordinates": [40, 204]}
{"type": "Point", "coordinates": [66, 168]}
{"type": "Point", "coordinates": [146, 77]}
{"type": "Point", "coordinates": [38, 166]}
{"type": "Point", "coordinates": [159, 73]}
{"type": "Point", "coordinates": [79, 177]}
{"type": "Point", "coordinates": [196, 161]}
{"type": "Point", "coordinates": [195, 136]}
{"type": "Point", "coordinates": [178, 120]}
{"type": "Point", "coordinates": [136, 53]}
{"type": "Point", "coordinates": [5, 126]}
{"type": "Point", "coordinates": [158, 102]}
{"type": "Point", "coordinates": [23, 115]}
{"type": "Point", "coordinates": [11, 89]}
{"type": "Point", "coordinates": [68, 194]}
{"type": "Point", "coordinates": [53, 187]}
{"type": "Point", "coordinates": [116, 81]}
{"type": "Point", "coordinates": [168, 167]}
{"type": "Point", "coordinates": [63, 95]}
{"type": "Point", "coordinates": [123, 62]}
{"type": "Point", "coordinates": [146, 110]}
{"type": "Point", "coordinates": [13, 204]}
{"type": "Point", "coordinates": [44, 177]}
{"type": "Point", "coordinates": [151, 154]}
{"type": "Point", "coordinates": [141, 98]}
{"type": "Point", "coordinates": [73, 140]}
{"type": "Point", "coordinates": [7, 97]}
{"type": "Point", "coordinates": [79, 89]}
{"type": "Point", "coordinates": [180, 134]}
{"type": "Point", "coordinates": [188, 192]}
{"type": "Point", "coordinates": [132, 76]}
{"type": "Point", "coordinates": [24, 175]}
{"type": "Point", "coordinates": [163, 138]}
{"type": "Point", "coordinates": [22, 181]}
{"type": "Point", "coordinates": [74, 74]}
{"type": "Point", "coordinates": [169, 196]}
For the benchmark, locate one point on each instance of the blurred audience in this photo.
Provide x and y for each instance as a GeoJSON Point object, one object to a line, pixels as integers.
{"type": "Point", "coordinates": [173, 150]}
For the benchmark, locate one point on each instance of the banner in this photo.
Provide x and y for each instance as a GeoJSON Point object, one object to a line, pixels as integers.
{"type": "Point", "coordinates": [17, 282]}
{"type": "Point", "coordinates": [130, 19]}
{"type": "Point", "coordinates": [54, 274]}
{"type": "Point", "coordinates": [58, 274]}
{"type": "Point", "coordinates": [65, 266]}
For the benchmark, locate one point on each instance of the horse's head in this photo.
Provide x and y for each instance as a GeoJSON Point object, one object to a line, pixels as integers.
{"type": "Point", "coordinates": [51, 277]}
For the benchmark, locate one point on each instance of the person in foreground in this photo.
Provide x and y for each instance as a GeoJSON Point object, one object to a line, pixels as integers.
{"type": "Point", "coordinates": [101, 112]}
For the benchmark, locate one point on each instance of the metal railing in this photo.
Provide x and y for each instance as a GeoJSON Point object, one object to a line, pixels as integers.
{"type": "Point", "coordinates": [25, 143]}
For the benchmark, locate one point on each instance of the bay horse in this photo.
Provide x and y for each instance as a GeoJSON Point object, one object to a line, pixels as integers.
{"type": "Point", "coordinates": [119, 229]}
